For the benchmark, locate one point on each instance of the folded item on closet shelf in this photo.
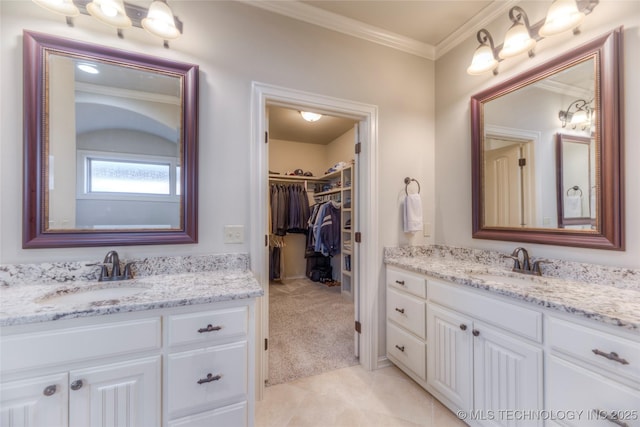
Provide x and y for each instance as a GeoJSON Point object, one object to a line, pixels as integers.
{"type": "Point", "coordinates": [347, 245]}
{"type": "Point", "coordinates": [338, 166]}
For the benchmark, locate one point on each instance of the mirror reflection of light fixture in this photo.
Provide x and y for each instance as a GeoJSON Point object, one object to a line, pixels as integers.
{"type": "Point", "coordinates": [518, 39]}
{"type": "Point", "coordinates": [63, 7]}
{"type": "Point", "coordinates": [158, 19]}
{"type": "Point", "coordinates": [310, 117]}
{"type": "Point", "coordinates": [484, 58]}
{"type": "Point", "coordinates": [88, 68]}
{"type": "Point", "coordinates": [562, 15]}
{"type": "Point", "coordinates": [581, 116]}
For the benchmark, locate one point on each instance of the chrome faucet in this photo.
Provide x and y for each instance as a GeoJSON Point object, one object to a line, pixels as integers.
{"type": "Point", "coordinates": [113, 259]}
{"type": "Point", "coordinates": [523, 264]}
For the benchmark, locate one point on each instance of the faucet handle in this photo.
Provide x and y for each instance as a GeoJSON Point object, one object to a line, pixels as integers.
{"type": "Point", "coordinates": [535, 267]}
{"type": "Point", "coordinates": [104, 271]}
{"type": "Point", "coordinates": [127, 271]}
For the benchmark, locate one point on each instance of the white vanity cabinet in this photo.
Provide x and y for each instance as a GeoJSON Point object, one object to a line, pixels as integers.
{"type": "Point", "coordinates": [186, 366]}
{"type": "Point", "coordinates": [479, 358]}
{"type": "Point", "coordinates": [594, 370]}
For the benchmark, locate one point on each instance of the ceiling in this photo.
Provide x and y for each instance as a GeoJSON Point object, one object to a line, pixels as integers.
{"type": "Point", "coordinates": [426, 28]}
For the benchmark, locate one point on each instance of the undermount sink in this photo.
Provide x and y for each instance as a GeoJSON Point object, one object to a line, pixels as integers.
{"type": "Point", "coordinates": [492, 277]}
{"type": "Point", "coordinates": [83, 296]}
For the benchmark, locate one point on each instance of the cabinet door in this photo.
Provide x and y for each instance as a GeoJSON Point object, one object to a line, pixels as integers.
{"type": "Point", "coordinates": [38, 402]}
{"type": "Point", "coordinates": [119, 394]}
{"type": "Point", "coordinates": [507, 376]}
{"type": "Point", "coordinates": [449, 365]}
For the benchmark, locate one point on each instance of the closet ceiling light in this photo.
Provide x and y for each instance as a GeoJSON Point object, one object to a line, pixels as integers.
{"type": "Point", "coordinates": [310, 117]}
{"type": "Point", "coordinates": [563, 15]}
{"type": "Point", "coordinates": [63, 7]}
{"type": "Point", "coordinates": [88, 68]}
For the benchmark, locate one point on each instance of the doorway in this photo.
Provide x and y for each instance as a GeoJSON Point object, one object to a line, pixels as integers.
{"type": "Point", "coordinates": [368, 259]}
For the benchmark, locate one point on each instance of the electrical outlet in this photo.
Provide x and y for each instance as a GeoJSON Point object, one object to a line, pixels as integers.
{"type": "Point", "coordinates": [426, 229]}
{"type": "Point", "coordinates": [233, 233]}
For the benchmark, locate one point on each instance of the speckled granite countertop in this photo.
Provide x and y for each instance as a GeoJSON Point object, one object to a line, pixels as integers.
{"type": "Point", "coordinates": [606, 294]}
{"type": "Point", "coordinates": [27, 293]}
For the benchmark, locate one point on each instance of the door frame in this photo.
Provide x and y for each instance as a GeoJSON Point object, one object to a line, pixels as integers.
{"type": "Point", "coordinates": [370, 260]}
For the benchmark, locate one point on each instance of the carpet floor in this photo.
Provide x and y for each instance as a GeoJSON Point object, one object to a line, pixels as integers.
{"type": "Point", "coordinates": [310, 330]}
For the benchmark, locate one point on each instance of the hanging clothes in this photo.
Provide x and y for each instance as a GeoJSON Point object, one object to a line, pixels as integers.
{"type": "Point", "coordinates": [289, 209]}
{"type": "Point", "coordinates": [324, 229]}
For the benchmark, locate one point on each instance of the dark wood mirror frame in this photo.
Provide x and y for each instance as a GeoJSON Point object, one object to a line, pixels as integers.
{"type": "Point", "coordinates": [35, 45]}
{"type": "Point", "coordinates": [609, 233]}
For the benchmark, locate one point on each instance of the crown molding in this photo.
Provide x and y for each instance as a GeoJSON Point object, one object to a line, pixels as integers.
{"type": "Point", "coordinates": [342, 24]}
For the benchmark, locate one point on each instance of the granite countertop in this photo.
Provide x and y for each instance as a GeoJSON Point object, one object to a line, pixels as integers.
{"type": "Point", "coordinates": [34, 302]}
{"type": "Point", "coordinates": [613, 299]}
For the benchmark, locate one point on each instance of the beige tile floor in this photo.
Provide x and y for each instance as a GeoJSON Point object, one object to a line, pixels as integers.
{"type": "Point", "coordinates": [352, 397]}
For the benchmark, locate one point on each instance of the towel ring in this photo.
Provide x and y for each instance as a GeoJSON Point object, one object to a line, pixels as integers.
{"type": "Point", "coordinates": [576, 189]}
{"type": "Point", "coordinates": [407, 181]}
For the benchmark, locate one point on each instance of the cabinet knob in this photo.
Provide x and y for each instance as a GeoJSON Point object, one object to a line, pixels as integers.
{"type": "Point", "coordinates": [210, 378]}
{"type": "Point", "coordinates": [50, 390]}
{"type": "Point", "coordinates": [476, 332]}
{"type": "Point", "coordinates": [77, 385]}
{"type": "Point", "coordinates": [209, 328]}
{"type": "Point", "coordinates": [463, 326]}
{"type": "Point", "coordinates": [400, 310]}
{"type": "Point", "coordinates": [400, 282]}
{"type": "Point", "coordinates": [400, 348]}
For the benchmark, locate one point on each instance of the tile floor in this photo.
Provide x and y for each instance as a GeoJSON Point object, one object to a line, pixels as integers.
{"type": "Point", "coordinates": [352, 397]}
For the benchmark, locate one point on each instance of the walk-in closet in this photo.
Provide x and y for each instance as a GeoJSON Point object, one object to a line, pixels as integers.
{"type": "Point", "coordinates": [312, 196]}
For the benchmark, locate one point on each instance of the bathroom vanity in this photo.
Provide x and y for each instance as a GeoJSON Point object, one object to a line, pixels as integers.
{"type": "Point", "coordinates": [159, 350]}
{"type": "Point", "coordinates": [514, 349]}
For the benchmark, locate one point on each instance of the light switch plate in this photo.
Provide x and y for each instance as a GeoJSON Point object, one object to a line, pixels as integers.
{"type": "Point", "coordinates": [233, 234]}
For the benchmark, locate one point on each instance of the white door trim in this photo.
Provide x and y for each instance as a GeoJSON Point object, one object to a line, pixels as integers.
{"type": "Point", "coordinates": [370, 257]}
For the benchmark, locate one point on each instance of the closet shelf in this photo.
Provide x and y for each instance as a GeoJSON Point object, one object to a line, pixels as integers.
{"type": "Point", "coordinates": [323, 178]}
{"type": "Point", "coordinates": [324, 193]}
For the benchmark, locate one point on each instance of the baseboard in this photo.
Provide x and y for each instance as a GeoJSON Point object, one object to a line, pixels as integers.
{"type": "Point", "coordinates": [383, 362]}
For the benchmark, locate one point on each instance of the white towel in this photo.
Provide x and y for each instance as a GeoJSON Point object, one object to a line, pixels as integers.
{"type": "Point", "coordinates": [412, 213]}
{"type": "Point", "coordinates": [572, 206]}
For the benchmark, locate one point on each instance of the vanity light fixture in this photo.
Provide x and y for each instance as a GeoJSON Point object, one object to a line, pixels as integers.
{"type": "Point", "coordinates": [484, 58]}
{"type": "Point", "coordinates": [521, 37]}
{"type": "Point", "coordinates": [581, 115]}
{"type": "Point", "coordinates": [563, 15]}
{"type": "Point", "coordinates": [310, 117]}
{"type": "Point", "coordinates": [158, 19]}
{"type": "Point", "coordinates": [88, 68]}
{"type": "Point", "coordinates": [518, 38]}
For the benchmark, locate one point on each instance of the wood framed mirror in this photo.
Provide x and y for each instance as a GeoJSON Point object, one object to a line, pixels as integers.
{"type": "Point", "coordinates": [110, 146]}
{"type": "Point", "coordinates": [514, 128]}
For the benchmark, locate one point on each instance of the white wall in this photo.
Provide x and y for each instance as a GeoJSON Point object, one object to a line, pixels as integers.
{"type": "Point", "coordinates": [453, 148]}
{"type": "Point", "coordinates": [235, 44]}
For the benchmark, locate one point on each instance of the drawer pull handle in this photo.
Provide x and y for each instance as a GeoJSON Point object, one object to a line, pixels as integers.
{"type": "Point", "coordinates": [209, 328]}
{"type": "Point", "coordinates": [400, 348]}
{"type": "Point", "coordinates": [50, 390]}
{"type": "Point", "coordinates": [476, 332]}
{"type": "Point", "coordinates": [210, 378]}
{"type": "Point", "coordinates": [76, 385]}
{"type": "Point", "coordinates": [400, 310]}
{"type": "Point", "coordinates": [463, 326]}
{"type": "Point", "coordinates": [611, 356]}
{"type": "Point", "coordinates": [400, 282]}
{"type": "Point", "coordinates": [609, 417]}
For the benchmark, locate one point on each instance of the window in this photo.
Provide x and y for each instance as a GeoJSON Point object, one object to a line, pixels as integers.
{"type": "Point", "coordinates": [117, 176]}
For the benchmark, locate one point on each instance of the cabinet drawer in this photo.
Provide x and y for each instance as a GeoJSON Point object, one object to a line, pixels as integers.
{"type": "Point", "coordinates": [224, 366]}
{"type": "Point", "coordinates": [570, 387]}
{"type": "Point", "coordinates": [407, 349]}
{"type": "Point", "coordinates": [233, 415]}
{"type": "Point", "coordinates": [211, 325]}
{"type": "Point", "coordinates": [580, 342]}
{"type": "Point", "coordinates": [407, 311]}
{"type": "Point", "coordinates": [48, 348]}
{"type": "Point", "coordinates": [510, 317]}
{"type": "Point", "coordinates": [407, 281]}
